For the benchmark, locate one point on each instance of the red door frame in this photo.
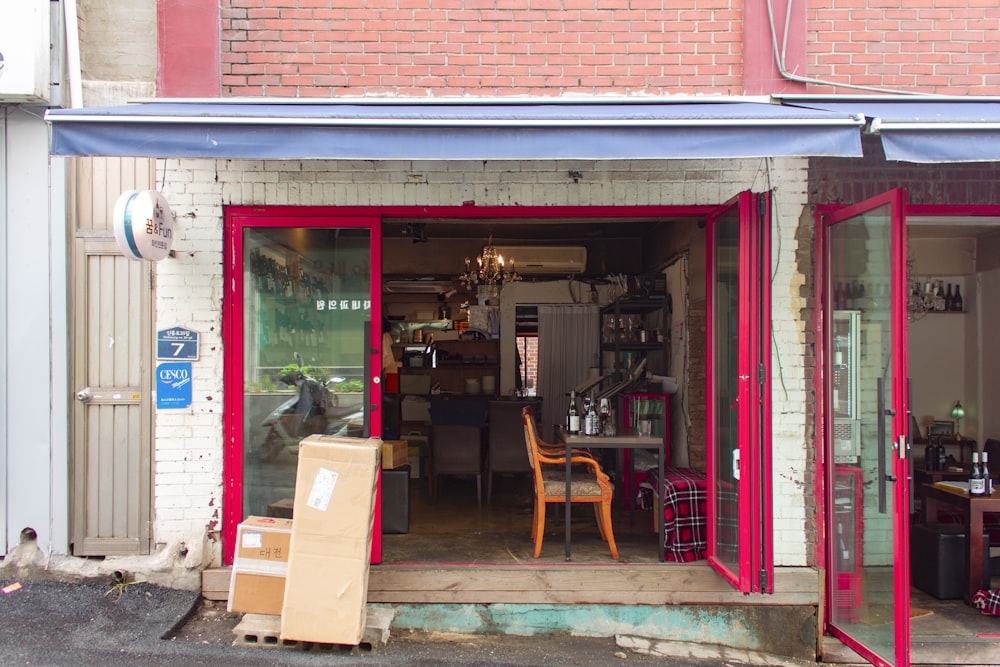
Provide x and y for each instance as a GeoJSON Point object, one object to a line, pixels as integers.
{"type": "Point", "coordinates": [238, 217]}
{"type": "Point", "coordinates": [755, 541]}
{"type": "Point", "coordinates": [825, 217]}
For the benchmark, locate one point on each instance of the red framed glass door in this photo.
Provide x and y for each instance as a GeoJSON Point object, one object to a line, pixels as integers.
{"type": "Point", "coordinates": [863, 252]}
{"type": "Point", "coordinates": [301, 317]}
{"type": "Point", "coordinates": [739, 527]}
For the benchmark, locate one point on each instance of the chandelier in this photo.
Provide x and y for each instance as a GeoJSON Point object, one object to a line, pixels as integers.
{"type": "Point", "coordinates": [490, 269]}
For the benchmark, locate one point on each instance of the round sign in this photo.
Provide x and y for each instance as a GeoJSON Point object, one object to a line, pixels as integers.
{"type": "Point", "coordinates": [144, 225]}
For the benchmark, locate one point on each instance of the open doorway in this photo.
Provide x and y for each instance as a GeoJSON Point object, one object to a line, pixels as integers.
{"type": "Point", "coordinates": [463, 517]}
{"type": "Point", "coordinates": [953, 288]}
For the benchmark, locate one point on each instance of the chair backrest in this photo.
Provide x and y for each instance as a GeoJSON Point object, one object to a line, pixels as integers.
{"type": "Point", "coordinates": [992, 447]}
{"type": "Point", "coordinates": [531, 442]}
{"type": "Point", "coordinates": [506, 450]}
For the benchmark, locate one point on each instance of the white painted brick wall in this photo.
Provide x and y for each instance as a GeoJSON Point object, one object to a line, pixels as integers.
{"type": "Point", "coordinates": [189, 443]}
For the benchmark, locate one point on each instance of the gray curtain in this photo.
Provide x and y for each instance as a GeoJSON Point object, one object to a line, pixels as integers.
{"type": "Point", "coordinates": [568, 344]}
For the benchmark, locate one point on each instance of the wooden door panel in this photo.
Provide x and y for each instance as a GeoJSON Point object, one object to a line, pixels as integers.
{"type": "Point", "coordinates": [111, 361]}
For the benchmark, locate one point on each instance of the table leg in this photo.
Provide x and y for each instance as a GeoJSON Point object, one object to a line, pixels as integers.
{"type": "Point", "coordinates": [569, 466]}
{"type": "Point", "coordinates": [974, 545]}
{"type": "Point", "coordinates": [661, 495]}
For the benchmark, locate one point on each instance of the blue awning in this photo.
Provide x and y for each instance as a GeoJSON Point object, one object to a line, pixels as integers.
{"type": "Point", "coordinates": [480, 130]}
{"type": "Point", "coordinates": [923, 130]}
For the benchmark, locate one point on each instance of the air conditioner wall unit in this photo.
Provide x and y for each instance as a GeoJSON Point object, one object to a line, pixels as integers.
{"type": "Point", "coordinates": [25, 46]}
{"type": "Point", "coordinates": [542, 259]}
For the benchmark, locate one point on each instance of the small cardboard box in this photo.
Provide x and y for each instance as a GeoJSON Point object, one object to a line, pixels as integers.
{"type": "Point", "coordinates": [415, 409]}
{"type": "Point", "coordinates": [326, 588]}
{"type": "Point", "coordinates": [260, 564]}
{"type": "Point", "coordinates": [394, 454]}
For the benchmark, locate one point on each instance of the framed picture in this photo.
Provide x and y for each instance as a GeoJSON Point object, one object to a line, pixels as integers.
{"type": "Point", "coordinates": [944, 428]}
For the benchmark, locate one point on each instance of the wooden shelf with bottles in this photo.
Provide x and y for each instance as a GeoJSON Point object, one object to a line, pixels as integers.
{"type": "Point", "coordinates": [633, 329]}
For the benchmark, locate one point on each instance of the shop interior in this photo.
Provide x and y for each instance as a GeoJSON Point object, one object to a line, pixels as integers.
{"type": "Point", "coordinates": [467, 354]}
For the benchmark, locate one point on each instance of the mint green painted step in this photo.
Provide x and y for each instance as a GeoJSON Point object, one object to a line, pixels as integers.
{"type": "Point", "coordinates": [790, 630]}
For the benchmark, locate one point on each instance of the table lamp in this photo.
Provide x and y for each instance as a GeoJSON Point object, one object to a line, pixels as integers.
{"type": "Point", "coordinates": [957, 413]}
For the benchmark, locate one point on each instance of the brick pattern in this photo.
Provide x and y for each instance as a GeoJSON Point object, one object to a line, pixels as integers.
{"type": "Point", "coordinates": [919, 45]}
{"type": "Point", "coordinates": [837, 181]}
{"type": "Point", "coordinates": [420, 48]}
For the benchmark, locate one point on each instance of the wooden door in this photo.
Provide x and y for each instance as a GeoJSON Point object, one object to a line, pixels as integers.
{"type": "Point", "coordinates": [110, 366]}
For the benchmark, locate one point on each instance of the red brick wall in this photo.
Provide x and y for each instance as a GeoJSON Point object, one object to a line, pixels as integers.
{"type": "Point", "coordinates": [939, 46]}
{"type": "Point", "coordinates": [324, 48]}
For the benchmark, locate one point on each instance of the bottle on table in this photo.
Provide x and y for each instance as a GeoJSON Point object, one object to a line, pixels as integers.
{"type": "Point", "coordinates": [984, 468]}
{"type": "Point", "coordinates": [977, 485]}
{"type": "Point", "coordinates": [592, 421]}
{"type": "Point", "coordinates": [572, 416]}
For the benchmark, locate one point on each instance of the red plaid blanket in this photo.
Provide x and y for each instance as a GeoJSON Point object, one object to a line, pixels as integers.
{"type": "Point", "coordinates": [988, 600]}
{"type": "Point", "coordinates": [684, 514]}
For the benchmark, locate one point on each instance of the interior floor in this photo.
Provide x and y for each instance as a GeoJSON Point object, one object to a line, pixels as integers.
{"type": "Point", "coordinates": [452, 528]}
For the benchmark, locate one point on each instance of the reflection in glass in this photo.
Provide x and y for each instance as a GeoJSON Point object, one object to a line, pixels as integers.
{"type": "Point", "coordinates": [861, 341]}
{"type": "Point", "coordinates": [306, 301]}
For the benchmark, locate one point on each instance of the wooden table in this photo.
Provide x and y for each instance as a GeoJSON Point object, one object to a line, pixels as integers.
{"type": "Point", "coordinates": [972, 508]}
{"type": "Point", "coordinates": [613, 442]}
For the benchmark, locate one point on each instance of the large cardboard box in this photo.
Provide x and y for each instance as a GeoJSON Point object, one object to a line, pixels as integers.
{"type": "Point", "coordinates": [260, 563]}
{"type": "Point", "coordinates": [326, 588]}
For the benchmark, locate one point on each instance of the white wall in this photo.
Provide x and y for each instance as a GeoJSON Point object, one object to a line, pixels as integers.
{"type": "Point", "coordinates": [34, 356]}
{"type": "Point", "coordinates": [188, 494]}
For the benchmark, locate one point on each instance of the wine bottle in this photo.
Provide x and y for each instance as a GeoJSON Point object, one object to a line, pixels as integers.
{"type": "Point", "coordinates": [984, 468]}
{"type": "Point", "coordinates": [592, 420]}
{"type": "Point", "coordinates": [930, 457]}
{"type": "Point", "coordinates": [956, 301]}
{"type": "Point", "coordinates": [948, 298]}
{"type": "Point", "coordinates": [572, 416]}
{"type": "Point", "coordinates": [977, 485]}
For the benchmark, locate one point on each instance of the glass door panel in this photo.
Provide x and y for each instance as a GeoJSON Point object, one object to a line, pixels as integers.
{"type": "Point", "coordinates": [739, 404]}
{"type": "Point", "coordinates": [306, 311]}
{"type": "Point", "coordinates": [726, 413]}
{"type": "Point", "coordinates": [865, 362]}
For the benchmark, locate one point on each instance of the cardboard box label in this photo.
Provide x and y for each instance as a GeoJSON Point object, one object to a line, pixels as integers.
{"type": "Point", "coordinates": [322, 489]}
{"type": "Point", "coordinates": [253, 540]}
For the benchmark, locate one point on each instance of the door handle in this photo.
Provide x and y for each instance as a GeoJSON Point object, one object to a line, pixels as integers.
{"type": "Point", "coordinates": [85, 395]}
{"type": "Point", "coordinates": [880, 436]}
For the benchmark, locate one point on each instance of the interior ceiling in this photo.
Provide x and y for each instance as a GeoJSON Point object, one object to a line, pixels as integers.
{"type": "Point", "coordinates": [526, 229]}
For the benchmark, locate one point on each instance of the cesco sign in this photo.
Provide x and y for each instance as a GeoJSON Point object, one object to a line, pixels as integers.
{"type": "Point", "coordinates": [144, 225]}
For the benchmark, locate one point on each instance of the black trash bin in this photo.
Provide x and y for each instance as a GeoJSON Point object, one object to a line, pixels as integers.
{"type": "Point", "coordinates": [937, 560]}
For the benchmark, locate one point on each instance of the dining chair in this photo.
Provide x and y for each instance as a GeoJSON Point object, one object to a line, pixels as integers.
{"type": "Point", "coordinates": [588, 483]}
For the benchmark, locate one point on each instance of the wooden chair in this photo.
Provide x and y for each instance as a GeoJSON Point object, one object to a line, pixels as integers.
{"type": "Point", "coordinates": [588, 483]}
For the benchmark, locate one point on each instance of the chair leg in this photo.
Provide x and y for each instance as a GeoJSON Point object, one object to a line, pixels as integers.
{"type": "Point", "coordinates": [479, 491]}
{"type": "Point", "coordinates": [489, 488]}
{"type": "Point", "coordinates": [606, 513]}
{"type": "Point", "coordinates": [538, 532]}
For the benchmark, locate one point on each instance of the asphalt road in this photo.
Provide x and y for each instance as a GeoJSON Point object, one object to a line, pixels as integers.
{"type": "Point", "coordinates": [56, 624]}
